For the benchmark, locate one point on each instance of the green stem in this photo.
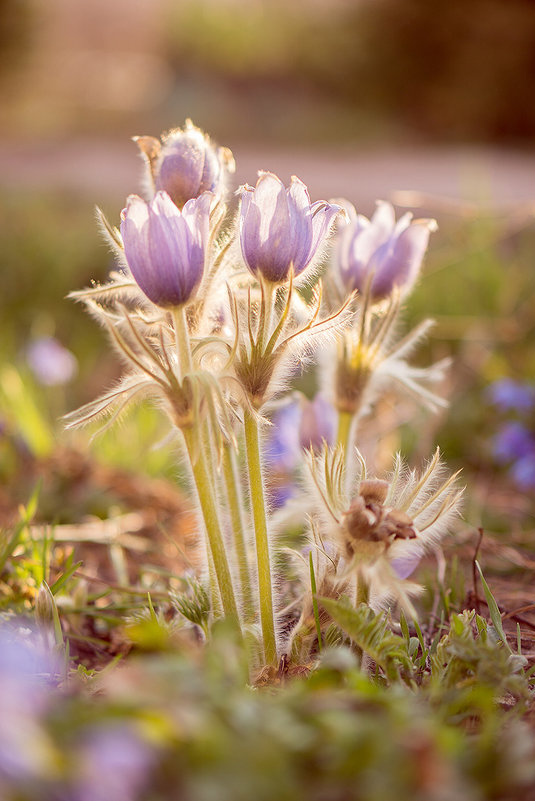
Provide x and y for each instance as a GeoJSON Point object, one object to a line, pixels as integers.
{"type": "Point", "coordinates": [183, 350]}
{"type": "Point", "coordinates": [268, 296]}
{"type": "Point", "coordinates": [202, 478]}
{"type": "Point", "coordinates": [315, 600]}
{"type": "Point", "coordinates": [363, 591]}
{"type": "Point", "coordinates": [258, 506]}
{"type": "Point", "coordinates": [238, 529]}
{"type": "Point", "coordinates": [208, 506]}
{"type": "Point", "coordinates": [345, 422]}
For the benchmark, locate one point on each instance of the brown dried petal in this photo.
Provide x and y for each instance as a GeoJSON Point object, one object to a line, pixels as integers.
{"type": "Point", "coordinates": [373, 490]}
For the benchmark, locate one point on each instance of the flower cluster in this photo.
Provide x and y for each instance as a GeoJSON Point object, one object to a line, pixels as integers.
{"type": "Point", "coordinates": [213, 314]}
{"type": "Point", "coordinates": [514, 444]}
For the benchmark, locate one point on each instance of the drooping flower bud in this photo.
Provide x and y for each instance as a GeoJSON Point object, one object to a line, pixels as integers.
{"type": "Point", "coordinates": [186, 163]}
{"type": "Point", "coordinates": [280, 230]}
{"type": "Point", "coordinates": [379, 255]}
{"type": "Point", "coordinates": [166, 248]}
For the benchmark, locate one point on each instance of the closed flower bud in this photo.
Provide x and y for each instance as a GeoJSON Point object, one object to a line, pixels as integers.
{"type": "Point", "coordinates": [379, 255]}
{"type": "Point", "coordinates": [280, 230]}
{"type": "Point", "coordinates": [186, 164]}
{"type": "Point", "coordinates": [166, 248]}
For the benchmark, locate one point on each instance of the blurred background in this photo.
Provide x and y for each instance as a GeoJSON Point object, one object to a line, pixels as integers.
{"type": "Point", "coordinates": [430, 107]}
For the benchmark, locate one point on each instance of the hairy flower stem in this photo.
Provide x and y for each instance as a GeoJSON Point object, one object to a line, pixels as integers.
{"type": "Point", "coordinates": [345, 424]}
{"type": "Point", "coordinates": [269, 293]}
{"type": "Point", "coordinates": [208, 506]}
{"type": "Point", "coordinates": [258, 506]}
{"type": "Point", "coordinates": [234, 501]}
{"type": "Point", "coordinates": [202, 478]}
{"type": "Point", "coordinates": [183, 350]}
{"type": "Point", "coordinates": [362, 595]}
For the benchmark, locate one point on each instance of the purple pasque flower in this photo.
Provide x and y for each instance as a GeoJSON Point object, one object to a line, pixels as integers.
{"type": "Point", "coordinates": [380, 254]}
{"type": "Point", "coordinates": [511, 395]}
{"type": "Point", "coordinates": [513, 441]}
{"type": "Point", "coordinates": [280, 230]}
{"type": "Point", "coordinates": [283, 443]}
{"type": "Point", "coordinates": [186, 163]}
{"type": "Point", "coordinates": [50, 362]}
{"type": "Point", "coordinates": [299, 425]}
{"type": "Point", "coordinates": [166, 248]}
{"type": "Point", "coordinates": [318, 423]}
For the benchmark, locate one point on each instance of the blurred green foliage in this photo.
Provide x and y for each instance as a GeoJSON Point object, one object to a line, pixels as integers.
{"type": "Point", "coordinates": [338, 734]}
{"type": "Point", "coordinates": [464, 72]}
{"type": "Point", "coordinates": [478, 285]}
{"type": "Point", "coordinates": [50, 244]}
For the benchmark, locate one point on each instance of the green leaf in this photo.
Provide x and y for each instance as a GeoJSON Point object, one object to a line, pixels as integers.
{"type": "Point", "coordinates": [494, 611]}
{"type": "Point", "coordinates": [315, 601]}
{"type": "Point", "coordinates": [370, 633]}
{"type": "Point", "coordinates": [64, 578]}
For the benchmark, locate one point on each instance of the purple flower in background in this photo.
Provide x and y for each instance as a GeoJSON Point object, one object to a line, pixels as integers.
{"type": "Point", "coordinates": [515, 444]}
{"type": "Point", "coordinates": [513, 441]}
{"type": "Point", "coordinates": [523, 471]}
{"type": "Point", "coordinates": [187, 164]}
{"type": "Point", "coordinates": [114, 764]}
{"type": "Point", "coordinates": [404, 566]}
{"type": "Point", "coordinates": [318, 423]}
{"type": "Point", "coordinates": [165, 247]}
{"type": "Point", "coordinates": [26, 673]}
{"type": "Point", "coordinates": [283, 447]}
{"type": "Point", "coordinates": [280, 230]}
{"type": "Point", "coordinates": [380, 253]}
{"type": "Point", "coordinates": [510, 395]}
{"type": "Point", "coordinates": [298, 425]}
{"type": "Point", "coordinates": [50, 362]}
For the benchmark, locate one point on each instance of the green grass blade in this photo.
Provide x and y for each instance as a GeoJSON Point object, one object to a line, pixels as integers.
{"type": "Point", "coordinates": [494, 611]}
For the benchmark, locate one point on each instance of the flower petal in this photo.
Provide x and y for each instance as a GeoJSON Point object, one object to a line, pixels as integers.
{"type": "Point", "coordinates": [300, 223]}
{"type": "Point", "coordinates": [398, 262]}
{"type": "Point", "coordinates": [265, 232]}
{"type": "Point", "coordinates": [165, 250]}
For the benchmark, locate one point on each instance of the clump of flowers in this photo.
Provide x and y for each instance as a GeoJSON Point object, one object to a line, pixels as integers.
{"type": "Point", "coordinates": [213, 313]}
{"type": "Point", "coordinates": [514, 443]}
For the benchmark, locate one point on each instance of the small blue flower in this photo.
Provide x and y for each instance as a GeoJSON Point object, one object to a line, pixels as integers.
{"type": "Point", "coordinates": [510, 395]}
{"type": "Point", "coordinates": [166, 248]}
{"type": "Point", "coordinates": [523, 471]}
{"type": "Point", "coordinates": [513, 441]}
{"type": "Point", "coordinates": [280, 230]}
{"type": "Point", "coordinates": [380, 254]}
